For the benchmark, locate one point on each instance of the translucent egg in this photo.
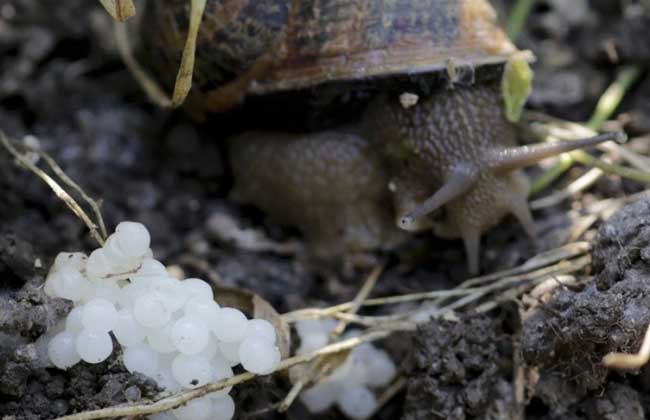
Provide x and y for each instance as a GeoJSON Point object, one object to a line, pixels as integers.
{"type": "Point", "coordinates": [48, 287]}
{"type": "Point", "coordinates": [312, 341]}
{"type": "Point", "coordinates": [190, 335]}
{"type": "Point", "coordinates": [151, 267]}
{"type": "Point", "coordinates": [211, 349]}
{"type": "Point", "coordinates": [141, 358]}
{"type": "Point", "coordinates": [230, 325]}
{"type": "Point", "coordinates": [94, 346]}
{"type": "Point", "coordinates": [198, 287]}
{"type": "Point", "coordinates": [129, 294]}
{"type": "Point", "coordinates": [309, 326]}
{"type": "Point", "coordinates": [320, 397]}
{"type": "Point", "coordinates": [357, 402]}
{"type": "Point", "coordinates": [75, 260]}
{"type": "Point", "coordinates": [220, 369]}
{"type": "Point", "coordinates": [133, 238]}
{"type": "Point", "coordinates": [165, 379]}
{"type": "Point", "coordinates": [104, 289]}
{"type": "Point", "coordinates": [116, 257]}
{"type": "Point", "coordinates": [223, 407]}
{"type": "Point", "coordinates": [191, 371]}
{"type": "Point", "coordinates": [203, 308]}
{"type": "Point", "coordinates": [99, 315]}
{"type": "Point", "coordinates": [150, 312]}
{"type": "Point", "coordinates": [381, 369]}
{"type": "Point", "coordinates": [62, 350]}
{"type": "Point", "coordinates": [259, 355]}
{"type": "Point", "coordinates": [70, 284]}
{"type": "Point", "coordinates": [127, 331]}
{"type": "Point", "coordinates": [73, 320]}
{"type": "Point", "coordinates": [160, 339]}
{"type": "Point", "coordinates": [230, 352]}
{"type": "Point", "coordinates": [197, 409]}
{"type": "Point", "coordinates": [170, 292]}
{"type": "Point", "coordinates": [167, 415]}
{"type": "Point", "coordinates": [261, 328]}
{"type": "Point", "coordinates": [98, 265]}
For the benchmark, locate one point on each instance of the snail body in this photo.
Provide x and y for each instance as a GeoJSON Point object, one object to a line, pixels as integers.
{"type": "Point", "coordinates": [365, 184]}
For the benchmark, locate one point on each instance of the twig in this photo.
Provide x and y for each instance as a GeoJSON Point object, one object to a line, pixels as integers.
{"type": "Point", "coordinates": [185, 396]}
{"type": "Point", "coordinates": [630, 361]}
{"type": "Point", "coordinates": [54, 186]}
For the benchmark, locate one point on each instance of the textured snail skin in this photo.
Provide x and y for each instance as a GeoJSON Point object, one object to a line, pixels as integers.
{"type": "Point", "coordinates": [334, 185]}
{"type": "Point", "coordinates": [464, 128]}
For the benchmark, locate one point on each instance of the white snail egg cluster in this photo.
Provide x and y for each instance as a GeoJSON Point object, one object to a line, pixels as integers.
{"type": "Point", "coordinates": [349, 386]}
{"type": "Point", "coordinates": [170, 330]}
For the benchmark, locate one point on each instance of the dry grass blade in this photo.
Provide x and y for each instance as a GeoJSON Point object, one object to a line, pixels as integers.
{"type": "Point", "coordinates": [54, 186]}
{"type": "Point", "coordinates": [120, 10]}
{"type": "Point", "coordinates": [186, 70]}
{"type": "Point", "coordinates": [154, 91]}
{"type": "Point", "coordinates": [181, 398]}
{"type": "Point", "coordinates": [94, 205]}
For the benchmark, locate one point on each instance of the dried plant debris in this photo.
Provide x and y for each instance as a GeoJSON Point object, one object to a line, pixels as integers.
{"type": "Point", "coordinates": [461, 370]}
{"type": "Point", "coordinates": [566, 338]}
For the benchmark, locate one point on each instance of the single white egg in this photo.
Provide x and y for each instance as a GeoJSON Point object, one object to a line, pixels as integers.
{"type": "Point", "coordinates": [312, 341]}
{"type": "Point", "coordinates": [94, 346]}
{"type": "Point", "coordinates": [230, 352]}
{"type": "Point", "coordinates": [261, 328]}
{"type": "Point", "coordinates": [320, 397]}
{"type": "Point", "coordinates": [133, 238]}
{"type": "Point", "coordinates": [191, 371]}
{"type": "Point", "coordinates": [141, 358]}
{"type": "Point", "coordinates": [98, 265]}
{"type": "Point", "coordinates": [70, 284]}
{"type": "Point", "coordinates": [190, 335]}
{"type": "Point", "coordinates": [119, 261]}
{"type": "Point", "coordinates": [221, 369]}
{"type": "Point", "coordinates": [104, 289]}
{"type": "Point", "coordinates": [150, 311]}
{"type": "Point", "coordinates": [73, 320]}
{"type": "Point", "coordinates": [165, 379]}
{"type": "Point", "coordinates": [197, 287]}
{"type": "Point", "coordinates": [212, 348]}
{"type": "Point", "coordinates": [62, 350]}
{"type": "Point", "coordinates": [259, 355]}
{"type": "Point", "coordinates": [160, 339]}
{"type": "Point", "coordinates": [230, 325]}
{"type": "Point", "coordinates": [381, 369]}
{"type": "Point", "coordinates": [357, 402]}
{"type": "Point", "coordinates": [152, 267]}
{"type": "Point", "coordinates": [127, 331]}
{"type": "Point", "coordinates": [167, 415]}
{"type": "Point", "coordinates": [99, 315]}
{"type": "Point", "coordinates": [76, 260]}
{"type": "Point", "coordinates": [197, 409]}
{"type": "Point", "coordinates": [203, 308]}
{"type": "Point", "coordinates": [223, 407]}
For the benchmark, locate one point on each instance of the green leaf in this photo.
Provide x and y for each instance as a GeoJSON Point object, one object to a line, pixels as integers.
{"type": "Point", "coordinates": [516, 85]}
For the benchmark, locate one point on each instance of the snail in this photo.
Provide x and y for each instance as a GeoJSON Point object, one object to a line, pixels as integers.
{"type": "Point", "coordinates": [409, 156]}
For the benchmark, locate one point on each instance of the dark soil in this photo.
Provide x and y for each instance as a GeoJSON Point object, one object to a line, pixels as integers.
{"type": "Point", "coordinates": [62, 82]}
